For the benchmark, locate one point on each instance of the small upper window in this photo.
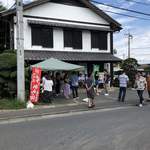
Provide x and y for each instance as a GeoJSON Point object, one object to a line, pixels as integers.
{"type": "Point", "coordinates": [42, 36]}
{"type": "Point", "coordinates": [99, 40]}
{"type": "Point", "coordinates": [73, 38]}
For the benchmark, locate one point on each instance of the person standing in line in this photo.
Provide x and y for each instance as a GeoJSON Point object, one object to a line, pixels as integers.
{"type": "Point", "coordinates": [89, 84]}
{"type": "Point", "coordinates": [123, 81]}
{"type": "Point", "coordinates": [57, 84]}
{"type": "Point", "coordinates": [43, 81]}
{"type": "Point", "coordinates": [96, 76]}
{"type": "Point", "coordinates": [48, 84]}
{"type": "Point", "coordinates": [100, 81]}
{"type": "Point", "coordinates": [66, 89]}
{"type": "Point", "coordinates": [106, 82]}
{"type": "Point", "coordinates": [74, 85]}
{"type": "Point", "coordinates": [140, 85]}
{"type": "Point", "coordinates": [148, 85]}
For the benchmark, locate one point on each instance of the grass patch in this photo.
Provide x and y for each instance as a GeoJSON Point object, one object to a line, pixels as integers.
{"type": "Point", "coordinates": [11, 104]}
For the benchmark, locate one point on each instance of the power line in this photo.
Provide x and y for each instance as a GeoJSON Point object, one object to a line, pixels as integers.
{"type": "Point", "coordinates": [140, 47]}
{"type": "Point", "coordinates": [131, 16]}
{"type": "Point", "coordinates": [141, 3]}
{"type": "Point", "coordinates": [140, 54]}
{"type": "Point", "coordinates": [125, 9]}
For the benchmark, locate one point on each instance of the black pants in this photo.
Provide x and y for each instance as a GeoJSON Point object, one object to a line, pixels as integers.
{"type": "Point", "coordinates": [47, 95]}
{"type": "Point", "coordinates": [149, 93]}
{"type": "Point", "coordinates": [75, 91]}
{"type": "Point", "coordinates": [140, 94]}
{"type": "Point", "coordinates": [122, 94]}
{"type": "Point", "coordinates": [57, 88]}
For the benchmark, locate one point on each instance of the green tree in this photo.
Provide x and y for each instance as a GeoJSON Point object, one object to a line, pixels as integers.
{"type": "Point", "coordinates": [8, 73]}
{"type": "Point", "coordinates": [2, 8]}
{"type": "Point", "coordinates": [114, 51]}
{"type": "Point", "coordinates": [130, 66]}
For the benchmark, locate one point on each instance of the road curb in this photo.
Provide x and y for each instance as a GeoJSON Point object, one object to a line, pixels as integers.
{"type": "Point", "coordinates": [38, 116]}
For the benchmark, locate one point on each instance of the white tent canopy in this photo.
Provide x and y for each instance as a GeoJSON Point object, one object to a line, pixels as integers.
{"type": "Point", "coordinates": [53, 64]}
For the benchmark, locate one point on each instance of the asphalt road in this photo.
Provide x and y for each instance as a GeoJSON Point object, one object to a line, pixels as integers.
{"type": "Point", "coordinates": [124, 129]}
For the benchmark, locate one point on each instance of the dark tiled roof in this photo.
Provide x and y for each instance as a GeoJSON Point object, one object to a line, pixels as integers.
{"type": "Point", "coordinates": [70, 56]}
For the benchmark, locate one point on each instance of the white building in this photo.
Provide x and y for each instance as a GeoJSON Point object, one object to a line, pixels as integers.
{"type": "Point", "coordinates": [71, 30]}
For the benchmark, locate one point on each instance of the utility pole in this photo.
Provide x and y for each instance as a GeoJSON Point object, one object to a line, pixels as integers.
{"type": "Point", "coordinates": [20, 52]}
{"type": "Point", "coordinates": [129, 43]}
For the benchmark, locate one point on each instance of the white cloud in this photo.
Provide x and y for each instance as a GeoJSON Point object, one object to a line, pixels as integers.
{"type": "Point", "coordinates": [125, 20]}
{"type": "Point", "coordinates": [9, 3]}
{"type": "Point", "coordinates": [141, 35]}
{"type": "Point", "coordinates": [140, 40]}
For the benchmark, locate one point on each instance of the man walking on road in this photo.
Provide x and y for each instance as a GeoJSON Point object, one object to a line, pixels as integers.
{"type": "Point", "coordinates": [123, 81]}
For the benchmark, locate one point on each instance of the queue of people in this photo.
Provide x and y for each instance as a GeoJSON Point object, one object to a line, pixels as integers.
{"type": "Point", "coordinates": [102, 81]}
{"type": "Point", "coordinates": [65, 83]}
{"type": "Point", "coordinates": [60, 83]}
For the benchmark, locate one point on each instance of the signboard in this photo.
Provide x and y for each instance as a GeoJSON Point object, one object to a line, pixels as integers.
{"type": "Point", "coordinates": [35, 84]}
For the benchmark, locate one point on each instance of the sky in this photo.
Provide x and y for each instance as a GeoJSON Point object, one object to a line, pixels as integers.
{"type": "Point", "coordinates": [138, 28]}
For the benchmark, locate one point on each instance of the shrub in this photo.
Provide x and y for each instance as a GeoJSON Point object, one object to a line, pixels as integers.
{"type": "Point", "coordinates": [130, 66]}
{"type": "Point", "coordinates": [8, 74]}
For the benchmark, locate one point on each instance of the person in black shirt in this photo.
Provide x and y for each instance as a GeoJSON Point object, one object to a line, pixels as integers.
{"type": "Point", "coordinates": [90, 91]}
{"type": "Point", "coordinates": [96, 76]}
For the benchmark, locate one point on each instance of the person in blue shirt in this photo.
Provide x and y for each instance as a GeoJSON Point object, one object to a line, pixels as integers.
{"type": "Point", "coordinates": [74, 85]}
{"type": "Point", "coordinates": [123, 81]}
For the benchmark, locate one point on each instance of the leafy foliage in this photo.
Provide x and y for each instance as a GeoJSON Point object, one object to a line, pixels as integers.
{"type": "Point", "coordinates": [8, 74]}
{"type": "Point", "coordinates": [7, 60]}
{"type": "Point", "coordinates": [114, 51]}
{"type": "Point", "coordinates": [130, 66]}
{"type": "Point", "coordinates": [11, 104]}
{"type": "Point", "coordinates": [147, 69]}
{"type": "Point", "coordinates": [8, 65]}
{"type": "Point", "coordinates": [2, 8]}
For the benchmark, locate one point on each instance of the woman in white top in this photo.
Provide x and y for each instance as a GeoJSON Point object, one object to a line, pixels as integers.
{"type": "Point", "coordinates": [48, 84]}
{"type": "Point", "coordinates": [140, 85]}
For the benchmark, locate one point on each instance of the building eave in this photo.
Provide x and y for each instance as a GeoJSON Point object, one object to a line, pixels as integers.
{"type": "Point", "coordinates": [115, 26]}
{"type": "Point", "coordinates": [71, 56]}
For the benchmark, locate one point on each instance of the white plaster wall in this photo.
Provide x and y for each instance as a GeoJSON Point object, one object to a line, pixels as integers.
{"type": "Point", "coordinates": [58, 39]}
{"type": "Point", "coordinates": [15, 32]}
{"type": "Point", "coordinates": [108, 43]}
{"type": "Point", "coordinates": [107, 67]}
{"type": "Point", "coordinates": [86, 40]}
{"type": "Point", "coordinates": [27, 35]}
{"type": "Point", "coordinates": [59, 11]}
{"type": "Point", "coordinates": [15, 35]}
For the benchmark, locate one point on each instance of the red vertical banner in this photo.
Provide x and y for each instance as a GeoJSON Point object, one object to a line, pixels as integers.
{"type": "Point", "coordinates": [35, 84]}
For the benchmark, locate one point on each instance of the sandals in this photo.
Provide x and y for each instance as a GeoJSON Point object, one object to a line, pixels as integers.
{"type": "Point", "coordinates": [93, 105]}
